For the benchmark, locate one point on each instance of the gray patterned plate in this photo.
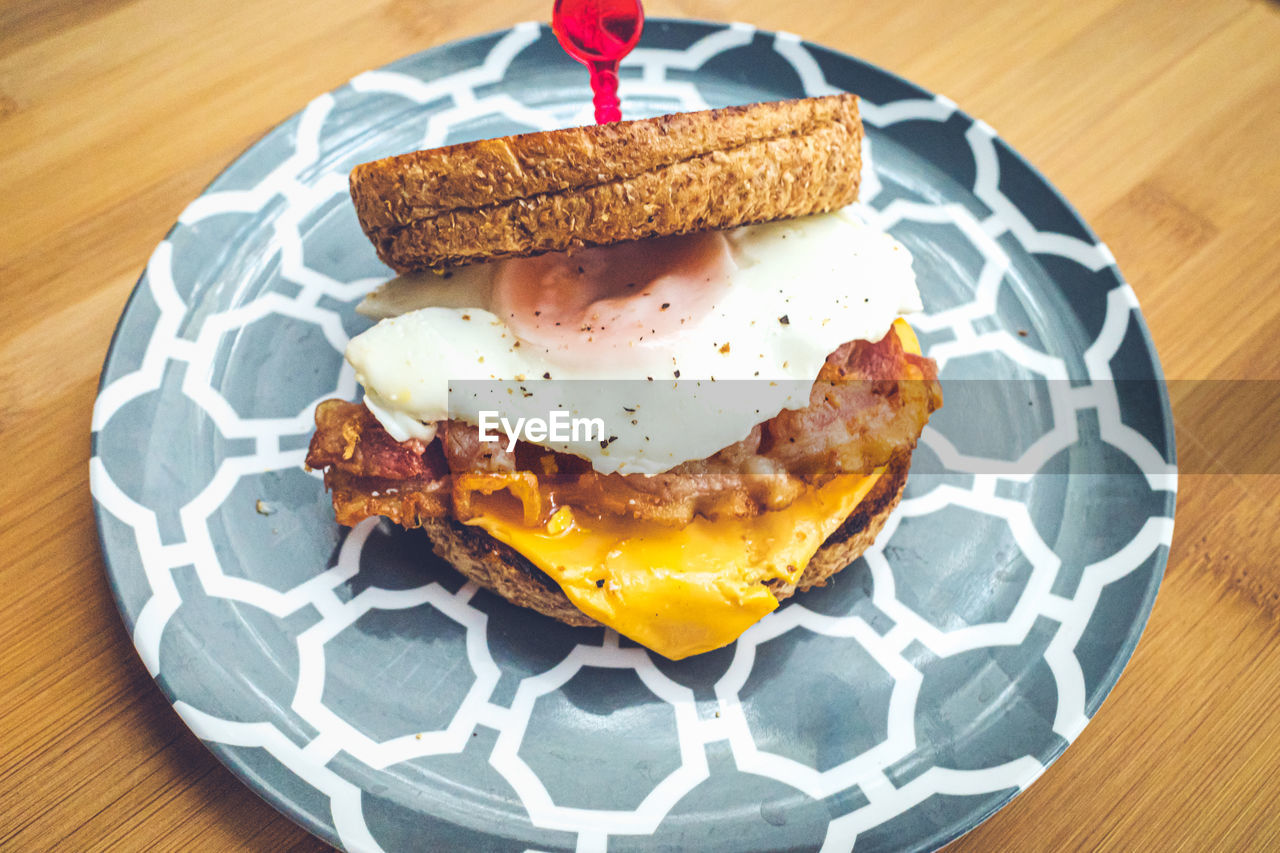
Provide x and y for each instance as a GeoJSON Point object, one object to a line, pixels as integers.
{"type": "Point", "coordinates": [371, 695]}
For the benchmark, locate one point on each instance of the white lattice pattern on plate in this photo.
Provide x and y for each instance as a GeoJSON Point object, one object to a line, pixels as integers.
{"type": "Point", "coordinates": [319, 298]}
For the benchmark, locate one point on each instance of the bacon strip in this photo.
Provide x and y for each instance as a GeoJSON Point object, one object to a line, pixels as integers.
{"type": "Point", "coordinates": [348, 438]}
{"type": "Point", "coordinates": [869, 404]}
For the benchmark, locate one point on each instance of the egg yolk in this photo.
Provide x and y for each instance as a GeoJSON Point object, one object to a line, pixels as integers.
{"type": "Point", "coordinates": [607, 302]}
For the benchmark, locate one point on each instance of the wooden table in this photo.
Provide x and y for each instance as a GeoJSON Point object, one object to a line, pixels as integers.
{"type": "Point", "coordinates": [1159, 119]}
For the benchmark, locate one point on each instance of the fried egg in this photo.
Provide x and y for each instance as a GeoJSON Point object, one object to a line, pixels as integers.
{"type": "Point", "coordinates": [678, 345]}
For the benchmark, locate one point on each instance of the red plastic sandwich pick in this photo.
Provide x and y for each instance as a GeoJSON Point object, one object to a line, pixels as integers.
{"type": "Point", "coordinates": [598, 33]}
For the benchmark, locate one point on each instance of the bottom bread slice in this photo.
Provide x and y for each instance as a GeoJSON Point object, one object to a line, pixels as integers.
{"type": "Point", "coordinates": [502, 569]}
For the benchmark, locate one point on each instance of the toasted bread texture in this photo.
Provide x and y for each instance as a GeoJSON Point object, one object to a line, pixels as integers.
{"type": "Point", "coordinates": [588, 186]}
{"type": "Point", "coordinates": [501, 569]}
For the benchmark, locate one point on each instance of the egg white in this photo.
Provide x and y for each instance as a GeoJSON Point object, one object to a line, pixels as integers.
{"type": "Point", "coordinates": [802, 288]}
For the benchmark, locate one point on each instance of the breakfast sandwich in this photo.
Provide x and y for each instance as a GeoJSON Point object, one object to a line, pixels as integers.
{"type": "Point", "coordinates": [651, 375]}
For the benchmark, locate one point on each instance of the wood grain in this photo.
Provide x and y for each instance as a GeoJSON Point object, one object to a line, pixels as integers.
{"type": "Point", "coordinates": [1157, 118]}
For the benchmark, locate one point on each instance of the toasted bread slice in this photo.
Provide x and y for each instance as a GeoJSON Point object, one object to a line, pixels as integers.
{"type": "Point", "coordinates": [501, 569]}
{"type": "Point", "coordinates": [588, 186]}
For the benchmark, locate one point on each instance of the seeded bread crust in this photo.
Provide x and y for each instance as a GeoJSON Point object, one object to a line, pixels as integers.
{"type": "Point", "coordinates": [500, 568]}
{"type": "Point", "coordinates": [557, 190]}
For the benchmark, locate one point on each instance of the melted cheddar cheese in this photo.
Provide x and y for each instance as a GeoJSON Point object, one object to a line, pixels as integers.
{"type": "Point", "coordinates": [683, 591]}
